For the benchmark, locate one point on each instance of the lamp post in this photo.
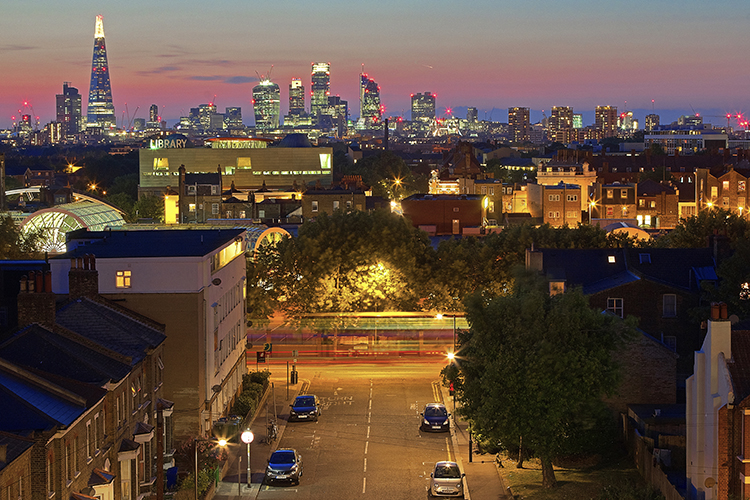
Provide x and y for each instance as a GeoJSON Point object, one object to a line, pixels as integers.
{"type": "Point", "coordinates": [454, 332]}
{"type": "Point", "coordinates": [247, 438]}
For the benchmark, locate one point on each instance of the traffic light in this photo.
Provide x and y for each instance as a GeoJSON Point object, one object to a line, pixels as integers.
{"type": "Point", "coordinates": [451, 391]}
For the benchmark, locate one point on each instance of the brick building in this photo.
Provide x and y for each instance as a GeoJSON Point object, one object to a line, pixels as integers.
{"type": "Point", "coordinates": [445, 213]}
{"type": "Point", "coordinates": [562, 205]}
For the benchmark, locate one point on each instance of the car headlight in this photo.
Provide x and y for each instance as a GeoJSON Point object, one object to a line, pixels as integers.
{"type": "Point", "coordinates": [445, 422]}
{"type": "Point", "coordinates": [426, 422]}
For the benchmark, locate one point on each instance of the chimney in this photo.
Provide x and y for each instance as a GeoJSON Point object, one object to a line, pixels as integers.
{"type": "Point", "coordinates": [83, 278]}
{"type": "Point", "coordinates": [36, 302]}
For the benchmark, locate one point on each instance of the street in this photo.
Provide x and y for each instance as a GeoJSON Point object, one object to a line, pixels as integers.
{"type": "Point", "coordinates": [367, 442]}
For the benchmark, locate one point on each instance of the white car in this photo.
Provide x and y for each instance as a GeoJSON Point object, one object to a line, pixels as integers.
{"type": "Point", "coordinates": [446, 480]}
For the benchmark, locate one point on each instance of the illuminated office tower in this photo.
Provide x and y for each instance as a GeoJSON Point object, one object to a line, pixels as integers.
{"type": "Point", "coordinates": [519, 124]}
{"type": "Point", "coordinates": [472, 115]}
{"type": "Point", "coordinates": [68, 106]}
{"type": "Point", "coordinates": [652, 122]}
{"type": "Point", "coordinates": [101, 111]}
{"type": "Point", "coordinates": [370, 110]}
{"type": "Point", "coordinates": [423, 107]}
{"type": "Point", "coordinates": [296, 97]}
{"type": "Point", "coordinates": [233, 118]}
{"type": "Point", "coordinates": [606, 120]}
{"type": "Point", "coordinates": [267, 105]}
{"type": "Point", "coordinates": [561, 124]}
{"type": "Point", "coordinates": [153, 113]}
{"type": "Point", "coordinates": [321, 87]}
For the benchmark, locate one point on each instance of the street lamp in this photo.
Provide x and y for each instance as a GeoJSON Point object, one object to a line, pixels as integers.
{"type": "Point", "coordinates": [247, 438]}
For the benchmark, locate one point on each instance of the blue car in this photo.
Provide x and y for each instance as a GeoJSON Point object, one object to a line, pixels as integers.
{"type": "Point", "coordinates": [284, 465]}
{"type": "Point", "coordinates": [306, 407]}
{"type": "Point", "coordinates": [435, 418]}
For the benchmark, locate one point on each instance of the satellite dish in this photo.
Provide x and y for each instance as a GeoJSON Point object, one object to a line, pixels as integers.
{"type": "Point", "coordinates": [734, 319]}
{"type": "Point", "coordinates": [216, 282]}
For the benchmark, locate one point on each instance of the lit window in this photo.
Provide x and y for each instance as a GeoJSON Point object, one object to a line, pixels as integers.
{"type": "Point", "coordinates": [610, 193]}
{"type": "Point", "coordinates": [725, 185]}
{"type": "Point", "coordinates": [615, 306]}
{"type": "Point", "coordinates": [336, 205]}
{"type": "Point", "coordinates": [122, 279]}
{"type": "Point", "coordinates": [191, 207]}
{"type": "Point", "coordinates": [314, 206]}
{"type": "Point", "coordinates": [349, 205]}
{"type": "Point", "coordinates": [623, 193]}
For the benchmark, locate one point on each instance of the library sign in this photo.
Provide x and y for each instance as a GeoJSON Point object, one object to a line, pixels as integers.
{"type": "Point", "coordinates": [174, 141]}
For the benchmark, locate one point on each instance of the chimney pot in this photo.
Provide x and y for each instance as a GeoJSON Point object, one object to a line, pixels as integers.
{"type": "Point", "coordinates": [31, 282]}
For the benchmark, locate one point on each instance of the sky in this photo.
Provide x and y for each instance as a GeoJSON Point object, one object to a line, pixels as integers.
{"type": "Point", "coordinates": [687, 56]}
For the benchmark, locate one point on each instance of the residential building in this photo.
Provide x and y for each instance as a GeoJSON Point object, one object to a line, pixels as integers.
{"type": "Point", "coordinates": [726, 189]}
{"type": "Point", "coordinates": [718, 412]}
{"type": "Point", "coordinates": [316, 201]}
{"type": "Point", "coordinates": [658, 205]}
{"type": "Point", "coordinates": [199, 197]}
{"type": "Point", "coordinates": [606, 120]}
{"type": "Point", "coordinates": [562, 204]}
{"type": "Point", "coordinates": [519, 125]}
{"type": "Point", "coordinates": [68, 110]}
{"type": "Point", "coordinates": [445, 213]}
{"type": "Point", "coordinates": [193, 283]}
{"type": "Point", "coordinates": [614, 202]}
{"type": "Point", "coordinates": [561, 124]}
{"type": "Point", "coordinates": [568, 171]}
{"type": "Point", "coordinates": [101, 110]}
{"type": "Point", "coordinates": [652, 122]}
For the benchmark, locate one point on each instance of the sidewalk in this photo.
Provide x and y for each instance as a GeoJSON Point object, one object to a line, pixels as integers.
{"type": "Point", "coordinates": [260, 450]}
{"type": "Point", "coordinates": [482, 482]}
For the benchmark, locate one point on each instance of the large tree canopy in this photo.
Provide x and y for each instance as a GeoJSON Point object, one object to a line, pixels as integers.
{"type": "Point", "coordinates": [13, 243]}
{"type": "Point", "coordinates": [535, 366]}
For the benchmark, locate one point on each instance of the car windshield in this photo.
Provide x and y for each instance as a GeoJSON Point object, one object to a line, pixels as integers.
{"type": "Point", "coordinates": [447, 471]}
{"type": "Point", "coordinates": [282, 457]}
{"type": "Point", "coordinates": [435, 411]}
{"type": "Point", "coordinates": [304, 402]}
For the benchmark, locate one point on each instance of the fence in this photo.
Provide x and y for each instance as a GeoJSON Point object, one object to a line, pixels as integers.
{"type": "Point", "coordinates": [641, 449]}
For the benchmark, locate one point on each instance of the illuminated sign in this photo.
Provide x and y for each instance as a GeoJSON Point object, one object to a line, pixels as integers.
{"type": "Point", "coordinates": [237, 144]}
{"type": "Point", "coordinates": [170, 142]}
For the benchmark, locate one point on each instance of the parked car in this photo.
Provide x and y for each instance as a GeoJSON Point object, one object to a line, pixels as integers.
{"type": "Point", "coordinates": [435, 418]}
{"type": "Point", "coordinates": [305, 407]}
{"type": "Point", "coordinates": [446, 480]}
{"type": "Point", "coordinates": [284, 465]}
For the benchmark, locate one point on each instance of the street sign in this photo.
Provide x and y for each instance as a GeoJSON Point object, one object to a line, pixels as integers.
{"type": "Point", "coordinates": [268, 347]}
{"type": "Point", "coordinates": [260, 356]}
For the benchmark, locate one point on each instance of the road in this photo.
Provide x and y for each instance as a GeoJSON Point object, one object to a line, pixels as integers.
{"type": "Point", "coordinates": [367, 443]}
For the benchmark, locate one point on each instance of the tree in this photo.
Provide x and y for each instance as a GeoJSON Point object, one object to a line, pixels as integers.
{"type": "Point", "coordinates": [149, 207]}
{"type": "Point", "coordinates": [13, 243]}
{"type": "Point", "coordinates": [695, 231]}
{"type": "Point", "coordinates": [536, 367]}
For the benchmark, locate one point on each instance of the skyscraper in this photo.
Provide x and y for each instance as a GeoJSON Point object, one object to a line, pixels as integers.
{"type": "Point", "coordinates": [652, 121]}
{"type": "Point", "coordinates": [101, 111]}
{"type": "Point", "coordinates": [153, 113]}
{"type": "Point", "coordinates": [321, 87]}
{"type": "Point", "coordinates": [606, 120]}
{"type": "Point", "coordinates": [423, 107]}
{"type": "Point", "coordinates": [370, 110]}
{"type": "Point", "coordinates": [561, 124]}
{"type": "Point", "coordinates": [233, 118]}
{"type": "Point", "coordinates": [296, 97]}
{"type": "Point", "coordinates": [518, 124]}
{"type": "Point", "coordinates": [267, 105]}
{"type": "Point", "coordinates": [68, 107]}
{"type": "Point", "coordinates": [472, 115]}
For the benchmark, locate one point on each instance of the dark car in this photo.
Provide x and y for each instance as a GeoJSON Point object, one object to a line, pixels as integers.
{"type": "Point", "coordinates": [435, 418]}
{"type": "Point", "coordinates": [306, 407]}
{"type": "Point", "coordinates": [284, 465]}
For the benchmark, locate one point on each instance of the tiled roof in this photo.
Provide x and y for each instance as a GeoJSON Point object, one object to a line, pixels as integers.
{"type": "Point", "coordinates": [14, 446]}
{"type": "Point", "coordinates": [109, 328]}
{"type": "Point", "coordinates": [41, 349]}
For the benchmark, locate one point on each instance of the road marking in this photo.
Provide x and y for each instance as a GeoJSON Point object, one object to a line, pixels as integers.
{"type": "Point", "coordinates": [448, 447]}
{"type": "Point", "coordinates": [369, 415]}
{"type": "Point", "coordinates": [365, 465]}
{"type": "Point", "coordinates": [368, 432]}
{"type": "Point", "coordinates": [366, 445]}
{"type": "Point", "coordinates": [370, 406]}
{"type": "Point", "coordinates": [364, 484]}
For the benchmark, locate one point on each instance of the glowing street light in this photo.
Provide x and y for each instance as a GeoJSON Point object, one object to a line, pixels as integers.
{"type": "Point", "coordinates": [247, 437]}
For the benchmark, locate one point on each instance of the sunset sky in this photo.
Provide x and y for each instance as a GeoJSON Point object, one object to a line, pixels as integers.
{"type": "Point", "coordinates": [686, 55]}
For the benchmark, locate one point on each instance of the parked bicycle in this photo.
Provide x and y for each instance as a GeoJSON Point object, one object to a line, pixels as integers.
{"type": "Point", "coordinates": [273, 431]}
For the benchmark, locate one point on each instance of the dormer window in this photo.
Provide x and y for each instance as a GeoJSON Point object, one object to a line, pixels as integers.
{"type": "Point", "coordinates": [611, 259]}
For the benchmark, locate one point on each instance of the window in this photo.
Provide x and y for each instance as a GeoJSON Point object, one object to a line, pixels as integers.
{"type": "Point", "coordinates": [314, 206]}
{"type": "Point", "coordinates": [88, 441]}
{"type": "Point", "coordinates": [554, 197]}
{"type": "Point", "coordinates": [652, 204]}
{"type": "Point", "coordinates": [641, 202]}
{"type": "Point", "coordinates": [192, 188]}
{"type": "Point", "coordinates": [336, 205]}
{"type": "Point", "coordinates": [214, 208]}
{"type": "Point", "coordinates": [484, 190]}
{"type": "Point", "coordinates": [214, 189]}
{"type": "Point", "coordinates": [623, 193]}
{"type": "Point", "coordinates": [714, 191]}
{"type": "Point", "coordinates": [725, 201]}
{"type": "Point", "coordinates": [571, 215]}
{"type": "Point", "coordinates": [242, 214]}
{"type": "Point", "coordinates": [669, 302]}
{"type": "Point", "coordinates": [491, 207]}
{"type": "Point", "coordinates": [725, 185]}
{"type": "Point", "coordinates": [191, 207]}
{"type": "Point", "coordinates": [644, 258]}
{"type": "Point", "coordinates": [572, 197]}
{"type": "Point", "coordinates": [122, 279]}
{"type": "Point", "coordinates": [624, 211]}
{"type": "Point", "coordinates": [161, 164]}
{"type": "Point", "coordinates": [741, 186]}
{"type": "Point", "coordinates": [610, 193]}
{"type": "Point", "coordinates": [261, 214]}
{"type": "Point", "coordinates": [615, 306]}
{"type": "Point", "coordinates": [492, 191]}
{"type": "Point", "coordinates": [611, 259]}
{"type": "Point", "coordinates": [610, 212]}
{"type": "Point", "coordinates": [349, 206]}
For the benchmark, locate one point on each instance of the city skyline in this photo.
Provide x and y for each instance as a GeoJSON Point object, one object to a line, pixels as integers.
{"type": "Point", "coordinates": [481, 55]}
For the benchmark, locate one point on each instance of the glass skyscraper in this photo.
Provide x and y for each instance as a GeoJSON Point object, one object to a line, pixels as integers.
{"type": "Point", "coordinates": [321, 87]}
{"type": "Point", "coordinates": [101, 111]}
{"type": "Point", "coordinates": [423, 107]}
{"type": "Point", "coordinates": [370, 110]}
{"type": "Point", "coordinates": [296, 97]}
{"type": "Point", "coordinates": [267, 105]}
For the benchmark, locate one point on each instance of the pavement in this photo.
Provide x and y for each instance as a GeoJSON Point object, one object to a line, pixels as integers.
{"type": "Point", "coordinates": [482, 481]}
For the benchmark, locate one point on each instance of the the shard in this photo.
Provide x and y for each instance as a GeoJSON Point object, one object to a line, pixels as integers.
{"type": "Point", "coordinates": [101, 111]}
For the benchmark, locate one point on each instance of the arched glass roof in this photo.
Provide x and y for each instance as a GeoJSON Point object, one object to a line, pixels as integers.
{"type": "Point", "coordinates": [54, 223]}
